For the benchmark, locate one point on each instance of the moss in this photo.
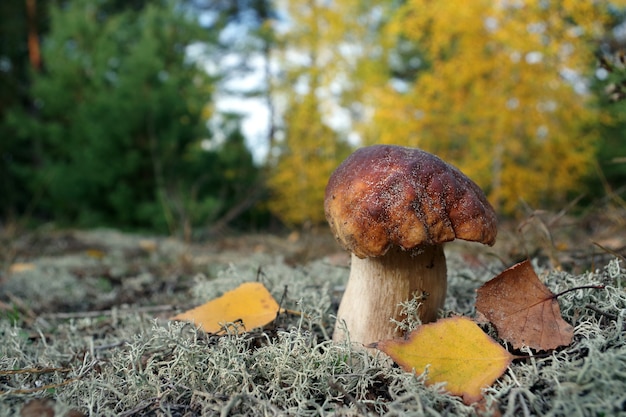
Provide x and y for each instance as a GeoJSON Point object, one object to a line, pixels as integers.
{"type": "Point", "coordinates": [129, 362]}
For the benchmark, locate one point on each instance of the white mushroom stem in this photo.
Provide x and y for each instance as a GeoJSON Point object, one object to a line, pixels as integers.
{"type": "Point", "coordinates": [377, 286]}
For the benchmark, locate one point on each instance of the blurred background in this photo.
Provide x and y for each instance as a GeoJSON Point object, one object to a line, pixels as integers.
{"type": "Point", "coordinates": [191, 117]}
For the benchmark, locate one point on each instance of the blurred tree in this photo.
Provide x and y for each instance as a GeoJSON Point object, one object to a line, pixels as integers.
{"type": "Point", "coordinates": [310, 154]}
{"type": "Point", "coordinates": [17, 26]}
{"type": "Point", "coordinates": [324, 60]}
{"type": "Point", "coordinates": [23, 23]}
{"type": "Point", "coordinates": [498, 90]}
{"type": "Point", "coordinates": [121, 113]}
{"type": "Point", "coordinates": [609, 177]}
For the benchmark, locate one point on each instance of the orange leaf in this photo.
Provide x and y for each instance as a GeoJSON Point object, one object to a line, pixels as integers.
{"type": "Point", "coordinates": [453, 350]}
{"type": "Point", "coordinates": [251, 303]}
{"type": "Point", "coordinates": [523, 309]}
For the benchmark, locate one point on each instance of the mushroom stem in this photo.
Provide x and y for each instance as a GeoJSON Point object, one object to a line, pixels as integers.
{"type": "Point", "coordinates": [377, 286]}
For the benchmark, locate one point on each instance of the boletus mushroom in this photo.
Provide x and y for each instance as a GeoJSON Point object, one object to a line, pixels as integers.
{"type": "Point", "coordinates": [394, 207]}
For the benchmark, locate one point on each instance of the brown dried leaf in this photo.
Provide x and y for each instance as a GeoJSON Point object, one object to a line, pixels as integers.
{"type": "Point", "coordinates": [524, 311]}
{"type": "Point", "coordinates": [38, 407]}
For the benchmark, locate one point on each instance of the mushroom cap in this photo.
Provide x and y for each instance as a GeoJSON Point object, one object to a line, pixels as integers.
{"type": "Point", "coordinates": [385, 195]}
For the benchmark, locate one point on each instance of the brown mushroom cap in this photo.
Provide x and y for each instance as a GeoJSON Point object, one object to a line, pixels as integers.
{"type": "Point", "coordinates": [384, 195]}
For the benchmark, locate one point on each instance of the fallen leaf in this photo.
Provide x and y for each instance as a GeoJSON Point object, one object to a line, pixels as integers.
{"type": "Point", "coordinates": [18, 267]}
{"type": "Point", "coordinates": [250, 303]}
{"type": "Point", "coordinates": [453, 350]}
{"type": "Point", "coordinates": [38, 408]}
{"type": "Point", "coordinates": [41, 407]}
{"type": "Point", "coordinates": [95, 253]}
{"type": "Point", "coordinates": [523, 310]}
{"type": "Point", "coordinates": [148, 245]}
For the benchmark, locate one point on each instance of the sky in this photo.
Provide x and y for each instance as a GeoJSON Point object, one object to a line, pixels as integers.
{"type": "Point", "coordinates": [229, 98]}
{"type": "Point", "coordinates": [255, 114]}
{"type": "Point", "coordinates": [255, 120]}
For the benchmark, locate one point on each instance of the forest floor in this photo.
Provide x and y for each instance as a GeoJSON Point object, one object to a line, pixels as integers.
{"type": "Point", "coordinates": [84, 320]}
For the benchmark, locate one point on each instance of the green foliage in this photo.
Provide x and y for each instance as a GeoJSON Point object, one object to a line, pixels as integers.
{"type": "Point", "coordinates": [14, 64]}
{"type": "Point", "coordinates": [120, 119]}
{"type": "Point", "coordinates": [612, 152]}
{"type": "Point", "coordinates": [610, 174]}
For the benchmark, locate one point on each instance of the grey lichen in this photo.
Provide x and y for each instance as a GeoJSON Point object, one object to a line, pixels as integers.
{"type": "Point", "coordinates": [135, 364]}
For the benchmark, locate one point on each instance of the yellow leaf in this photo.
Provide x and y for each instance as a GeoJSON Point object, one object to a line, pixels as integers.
{"type": "Point", "coordinates": [95, 253]}
{"type": "Point", "coordinates": [250, 303]}
{"type": "Point", "coordinates": [148, 245]}
{"type": "Point", "coordinates": [21, 267]}
{"type": "Point", "coordinates": [455, 351]}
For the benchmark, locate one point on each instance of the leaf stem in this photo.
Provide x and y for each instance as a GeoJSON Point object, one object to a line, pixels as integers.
{"type": "Point", "coordinates": [583, 287]}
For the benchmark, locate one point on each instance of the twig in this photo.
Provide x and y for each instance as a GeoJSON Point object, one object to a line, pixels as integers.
{"type": "Point", "coordinates": [111, 345]}
{"type": "Point", "coordinates": [33, 371]}
{"type": "Point", "coordinates": [23, 307]}
{"type": "Point", "coordinates": [601, 312]}
{"type": "Point", "coordinates": [611, 251]}
{"type": "Point", "coordinates": [565, 210]}
{"type": "Point", "coordinates": [235, 399]}
{"type": "Point", "coordinates": [37, 371]}
{"type": "Point", "coordinates": [99, 313]}
{"type": "Point", "coordinates": [362, 408]}
{"type": "Point", "coordinates": [41, 388]}
{"type": "Point", "coordinates": [141, 407]}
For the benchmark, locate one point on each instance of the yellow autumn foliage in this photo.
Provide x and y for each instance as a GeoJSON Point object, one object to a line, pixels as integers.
{"type": "Point", "coordinates": [322, 67]}
{"type": "Point", "coordinates": [499, 90]}
{"type": "Point", "coordinates": [310, 154]}
{"type": "Point", "coordinates": [501, 93]}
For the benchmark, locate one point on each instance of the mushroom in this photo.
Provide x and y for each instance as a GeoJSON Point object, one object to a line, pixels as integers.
{"type": "Point", "coordinates": [394, 207]}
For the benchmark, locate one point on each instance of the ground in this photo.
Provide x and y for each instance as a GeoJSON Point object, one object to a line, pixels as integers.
{"type": "Point", "coordinates": [84, 316]}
